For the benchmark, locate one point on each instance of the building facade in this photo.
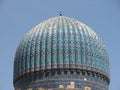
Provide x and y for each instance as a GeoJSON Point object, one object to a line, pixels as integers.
{"type": "Point", "coordinates": [61, 53]}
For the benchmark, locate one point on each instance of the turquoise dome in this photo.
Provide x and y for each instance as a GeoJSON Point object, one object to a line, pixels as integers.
{"type": "Point", "coordinates": [61, 43]}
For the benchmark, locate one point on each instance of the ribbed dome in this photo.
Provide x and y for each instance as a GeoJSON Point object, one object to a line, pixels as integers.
{"type": "Point", "coordinates": [61, 43]}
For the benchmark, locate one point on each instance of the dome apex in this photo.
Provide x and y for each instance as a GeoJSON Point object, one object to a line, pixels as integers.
{"type": "Point", "coordinates": [60, 14]}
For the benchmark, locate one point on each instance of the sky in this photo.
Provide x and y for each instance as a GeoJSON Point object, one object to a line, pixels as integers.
{"type": "Point", "coordinates": [18, 16]}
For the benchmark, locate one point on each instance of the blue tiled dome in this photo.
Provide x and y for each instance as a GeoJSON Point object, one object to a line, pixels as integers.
{"type": "Point", "coordinates": [61, 43]}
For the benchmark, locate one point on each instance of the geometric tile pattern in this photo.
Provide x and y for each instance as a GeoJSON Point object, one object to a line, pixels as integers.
{"type": "Point", "coordinates": [61, 43]}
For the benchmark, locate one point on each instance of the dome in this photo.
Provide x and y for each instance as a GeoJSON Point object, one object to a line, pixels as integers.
{"type": "Point", "coordinates": [61, 43]}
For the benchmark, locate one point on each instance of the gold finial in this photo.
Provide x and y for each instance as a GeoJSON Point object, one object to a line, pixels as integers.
{"type": "Point", "coordinates": [60, 14]}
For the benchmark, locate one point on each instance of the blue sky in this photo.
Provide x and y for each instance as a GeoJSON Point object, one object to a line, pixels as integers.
{"type": "Point", "coordinates": [18, 16]}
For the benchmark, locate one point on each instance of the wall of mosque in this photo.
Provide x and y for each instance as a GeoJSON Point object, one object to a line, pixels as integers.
{"type": "Point", "coordinates": [63, 80]}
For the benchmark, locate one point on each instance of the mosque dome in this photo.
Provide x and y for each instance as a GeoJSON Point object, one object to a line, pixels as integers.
{"type": "Point", "coordinates": [61, 43]}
